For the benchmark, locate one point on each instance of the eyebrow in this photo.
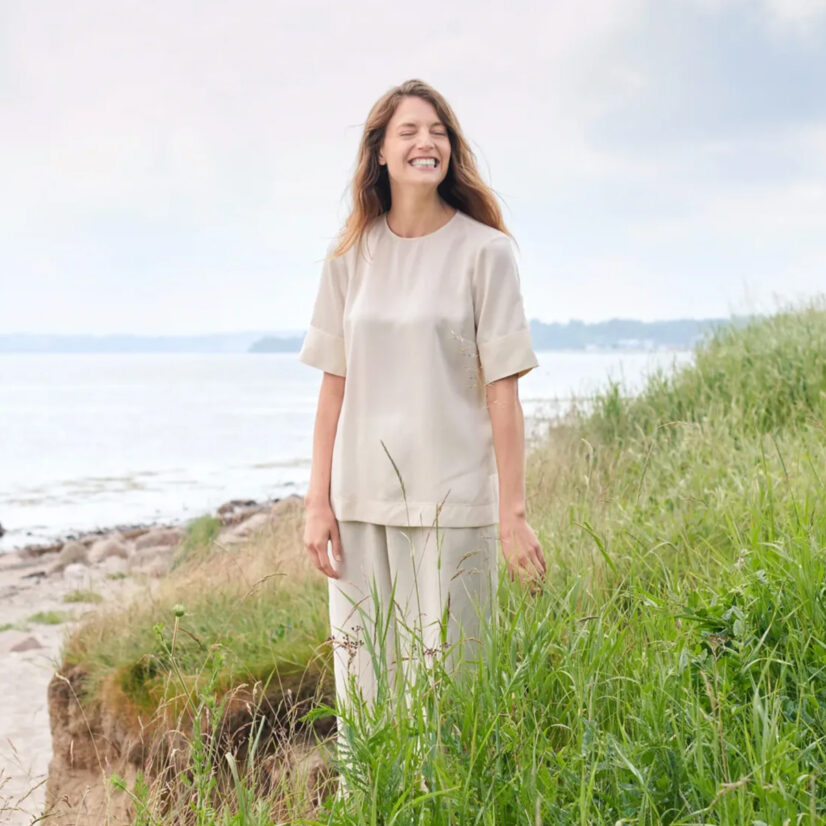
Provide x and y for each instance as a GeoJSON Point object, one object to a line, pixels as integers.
{"type": "Point", "coordinates": [435, 123]}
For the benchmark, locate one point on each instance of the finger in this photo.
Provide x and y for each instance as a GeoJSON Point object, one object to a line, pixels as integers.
{"type": "Point", "coordinates": [534, 562]}
{"type": "Point", "coordinates": [323, 563]}
{"type": "Point", "coordinates": [532, 578]}
{"type": "Point", "coordinates": [529, 576]}
{"type": "Point", "coordinates": [324, 556]}
{"type": "Point", "coordinates": [335, 538]}
{"type": "Point", "coordinates": [313, 554]}
{"type": "Point", "coordinates": [539, 562]}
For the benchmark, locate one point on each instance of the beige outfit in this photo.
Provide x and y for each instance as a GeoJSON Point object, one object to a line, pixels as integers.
{"type": "Point", "coordinates": [418, 326]}
{"type": "Point", "coordinates": [424, 570]}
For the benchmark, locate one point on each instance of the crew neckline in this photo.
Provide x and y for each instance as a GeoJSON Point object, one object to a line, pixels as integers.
{"type": "Point", "coordinates": [418, 237]}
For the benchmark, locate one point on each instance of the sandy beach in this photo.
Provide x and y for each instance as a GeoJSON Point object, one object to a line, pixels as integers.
{"type": "Point", "coordinates": [35, 618]}
{"type": "Point", "coordinates": [29, 657]}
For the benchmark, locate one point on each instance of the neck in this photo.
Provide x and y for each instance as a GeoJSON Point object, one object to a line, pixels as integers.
{"type": "Point", "coordinates": [411, 216]}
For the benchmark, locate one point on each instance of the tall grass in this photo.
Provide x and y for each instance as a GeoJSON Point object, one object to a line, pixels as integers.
{"type": "Point", "coordinates": [671, 670]}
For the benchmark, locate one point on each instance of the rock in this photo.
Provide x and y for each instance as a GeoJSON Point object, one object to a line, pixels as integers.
{"type": "Point", "coordinates": [289, 504]}
{"type": "Point", "coordinates": [71, 552]}
{"type": "Point", "coordinates": [155, 561]}
{"type": "Point", "coordinates": [157, 567]}
{"type": "Point", "coordinates": [115, 565]}
{"type": "Point", "coordinates": [234, 510]}
{"type": "Point", "coordinates": [28, 644]}
{"type": "Point", "coordinates": [109, 546]}
{"type": "Point", "coordinates": [237, 534]}
{"type": "Point", "coordinates": [159, 536]}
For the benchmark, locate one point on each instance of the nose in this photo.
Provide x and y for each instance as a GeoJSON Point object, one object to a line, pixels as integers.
{"type": "Point", "coordinates": [427, 143]}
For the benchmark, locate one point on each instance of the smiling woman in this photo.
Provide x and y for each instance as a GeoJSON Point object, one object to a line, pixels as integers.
{"type": "Point", "coordinates": [421, 333]}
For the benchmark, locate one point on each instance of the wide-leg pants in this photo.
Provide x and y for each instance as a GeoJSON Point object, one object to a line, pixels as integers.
{"type": "Point", "coordinates": [413, 593]}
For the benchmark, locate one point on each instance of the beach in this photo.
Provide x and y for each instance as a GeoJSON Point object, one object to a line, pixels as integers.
{"type": "Point", "coordinates": [38, 589]}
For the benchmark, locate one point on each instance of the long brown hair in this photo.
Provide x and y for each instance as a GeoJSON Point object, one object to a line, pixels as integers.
{"type": "Point", "coordinates": [462, 187]}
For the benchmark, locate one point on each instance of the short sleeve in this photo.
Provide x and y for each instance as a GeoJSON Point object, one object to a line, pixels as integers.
{"type": "Point", "coordinates": [503, 337]}
{"type": "Point", "coordinates": [323, 345]}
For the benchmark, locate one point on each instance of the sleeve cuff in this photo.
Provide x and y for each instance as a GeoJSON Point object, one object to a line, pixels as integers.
{"type": "Point", "coordinates": [507, 355]}
{"type": "Point", "coordinates": [323, 351]}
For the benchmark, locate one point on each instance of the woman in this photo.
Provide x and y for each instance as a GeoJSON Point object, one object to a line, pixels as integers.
{"type": "Point", "coordinates": [418, 449]}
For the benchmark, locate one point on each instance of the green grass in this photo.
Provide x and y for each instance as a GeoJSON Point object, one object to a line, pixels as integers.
{"type": "Point", "coordinates": [264, 626]}
{"type": "Point", "coordinates": [671, 670]}
{"type": "Point", "coordinates": [48, 617]}
{"type": "Point", "coordinates": [83, 595]}
{"type": "Point", "coordinates": [197, 543]}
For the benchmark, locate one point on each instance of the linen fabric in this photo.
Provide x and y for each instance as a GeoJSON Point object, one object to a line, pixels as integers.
{"type": "Point", "coordinates": [418, 327]}
{"type": "Point", "coordinates": [406, 596]}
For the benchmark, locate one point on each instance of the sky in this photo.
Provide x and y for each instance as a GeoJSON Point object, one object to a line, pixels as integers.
{"type": "Point", "coordinates": [180, 167]}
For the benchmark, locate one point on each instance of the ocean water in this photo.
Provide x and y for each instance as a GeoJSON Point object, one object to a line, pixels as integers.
{"type": "Point", "coordinates": [94, 440]}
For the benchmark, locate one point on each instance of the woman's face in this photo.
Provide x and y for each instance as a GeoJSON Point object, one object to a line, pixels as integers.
{"type": "Point", "coordinates": [415, 131]}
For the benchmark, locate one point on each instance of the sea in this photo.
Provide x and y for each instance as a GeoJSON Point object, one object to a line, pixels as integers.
{"type": "Point", "coordinates": [92, 441]}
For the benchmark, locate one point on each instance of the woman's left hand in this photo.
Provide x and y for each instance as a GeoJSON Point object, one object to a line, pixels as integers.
{"type": "Point", "coordinates": [522, 550]}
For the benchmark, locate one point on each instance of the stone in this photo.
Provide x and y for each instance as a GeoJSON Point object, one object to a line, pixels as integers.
{"type": "Point", "coordinates": [237, 534]}
{"type": "Point", "coordinates": [155, 561]}
{"type": "Point", "coordinates": [115, 565]}
{"type": "Point", "coordinates": [28, 644]}
{"type": "Point", "coordinates": [71, 552]}
{"type": "Point", "coordinates": [107, 547]}
{"type": "Point", "coordinates": [159, 536]}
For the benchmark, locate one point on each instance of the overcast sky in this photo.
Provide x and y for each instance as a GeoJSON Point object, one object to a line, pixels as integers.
{"type": "Point", "coordinates": [180, 167]}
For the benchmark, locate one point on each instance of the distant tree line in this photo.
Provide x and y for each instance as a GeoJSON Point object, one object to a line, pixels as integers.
{"type": "Point", "coordinates": [579, 335]}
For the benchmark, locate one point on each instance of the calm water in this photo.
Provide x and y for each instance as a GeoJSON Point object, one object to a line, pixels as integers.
{"type": "Point", "coordinates": [90, 441]}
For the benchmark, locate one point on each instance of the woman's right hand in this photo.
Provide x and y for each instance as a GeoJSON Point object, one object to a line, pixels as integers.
{"type": "Point", "coordinates": [320, 528]}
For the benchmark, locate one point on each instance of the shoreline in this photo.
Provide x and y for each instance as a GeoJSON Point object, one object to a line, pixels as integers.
{"type": "Point", "coordinates": [127, 529]}
{"type": "Point", "coordinates": [46, 590]}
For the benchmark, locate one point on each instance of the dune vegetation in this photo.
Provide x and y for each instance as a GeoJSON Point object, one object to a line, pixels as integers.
{"type": "Point", "coordinates": [671, 669]}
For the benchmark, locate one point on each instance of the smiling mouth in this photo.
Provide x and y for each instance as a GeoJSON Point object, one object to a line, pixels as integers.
{"type": "Point", "coordinates": [435, 165]}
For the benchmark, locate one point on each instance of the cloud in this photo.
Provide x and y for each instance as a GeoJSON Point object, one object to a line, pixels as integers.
{"type": "Point", "coordinates": [198, 154]}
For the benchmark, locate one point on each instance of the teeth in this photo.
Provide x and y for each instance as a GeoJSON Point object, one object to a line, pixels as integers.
{"type": "Point", "coordinates": [423, 162]}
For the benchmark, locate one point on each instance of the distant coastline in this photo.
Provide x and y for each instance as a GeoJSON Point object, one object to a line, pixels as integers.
{"type": "Point", "coordinates": [612, 334]}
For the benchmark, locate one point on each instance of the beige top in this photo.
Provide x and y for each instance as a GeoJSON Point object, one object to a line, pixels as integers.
{"type": "Point", "coordinates": [418, 326]}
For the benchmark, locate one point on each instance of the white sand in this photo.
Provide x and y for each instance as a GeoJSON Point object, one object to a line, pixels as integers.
{"type": "Point", "coordinates": [25, 737]}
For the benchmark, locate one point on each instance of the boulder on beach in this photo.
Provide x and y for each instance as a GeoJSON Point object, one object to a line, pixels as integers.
{"type": "Point", "coordinates": [159, 536]}
{"type": "Point", "coordinates": [27, 644]}
{"type": "Point", "coordinates": [153, 561]}
{"type": "Point", "coordinates": [71, 552]}
{"type": "Point", "coordinates": [111, 545]}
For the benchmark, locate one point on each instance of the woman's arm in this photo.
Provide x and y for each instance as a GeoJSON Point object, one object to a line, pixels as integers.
{"type": "Point", "coordinates": [330, 397]}
{"type": "Point", "coordinates": [321, 527]}
{"type": "Point", "coordinates": [520, 546]}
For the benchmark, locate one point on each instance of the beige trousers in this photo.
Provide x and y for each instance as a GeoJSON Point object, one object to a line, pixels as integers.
{"type": "Point", "coordinates": [426, 570]}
